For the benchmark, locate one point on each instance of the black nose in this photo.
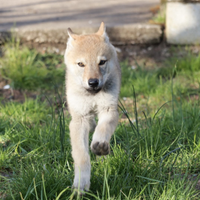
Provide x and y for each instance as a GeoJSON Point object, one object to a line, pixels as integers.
{"type": "Point", "coordinates": [93, 82]}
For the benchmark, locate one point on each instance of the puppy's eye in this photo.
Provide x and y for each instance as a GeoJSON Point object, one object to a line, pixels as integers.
{"type": "Point", "coordinates": [102, 62]}
{"type": "Point", "coordinates": [80, 64]}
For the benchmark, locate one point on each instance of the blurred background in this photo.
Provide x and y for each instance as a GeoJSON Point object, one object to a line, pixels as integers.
{"type": "Point", "coordinates": [155, 151]}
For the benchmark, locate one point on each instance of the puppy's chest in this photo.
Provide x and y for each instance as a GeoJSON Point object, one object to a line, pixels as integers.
{"type": "Point", "coordinates": [88, 106]}
{"type": "Point", "coordinates": [93, 107]}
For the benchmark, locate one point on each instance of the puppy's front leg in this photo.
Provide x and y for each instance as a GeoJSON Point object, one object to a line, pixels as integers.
{"type": "Point", "coordinates": [79, 131]}
{"type": "Point", "coordinates": [107, 123]}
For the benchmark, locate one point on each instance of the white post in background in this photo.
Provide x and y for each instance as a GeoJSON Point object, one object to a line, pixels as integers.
{"type": "Point", "coordinates": [183, 22]}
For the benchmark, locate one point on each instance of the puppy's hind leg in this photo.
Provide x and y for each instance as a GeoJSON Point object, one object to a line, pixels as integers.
{"type": "Point", "coordinates": [107, 123]}
{"type": "Point", "coordinates": [79, 133]}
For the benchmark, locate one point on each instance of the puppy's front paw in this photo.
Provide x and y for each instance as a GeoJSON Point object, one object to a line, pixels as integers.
{"type": "Point", "coordinates": [100, 148]}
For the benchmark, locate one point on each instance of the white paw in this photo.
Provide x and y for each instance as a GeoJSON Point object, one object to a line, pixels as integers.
{"type": "Point", "coordinates": [81, 183]}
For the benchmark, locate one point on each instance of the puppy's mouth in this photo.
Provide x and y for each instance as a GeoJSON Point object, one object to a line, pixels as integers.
{"type": "Point", "coordinates": [93, 90]}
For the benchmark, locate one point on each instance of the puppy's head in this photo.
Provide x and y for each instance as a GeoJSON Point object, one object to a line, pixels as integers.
{"type": "Point", "coordinates": [90, 59]}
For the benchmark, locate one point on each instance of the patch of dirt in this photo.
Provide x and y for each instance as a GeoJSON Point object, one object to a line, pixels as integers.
{"type": "Point", "coordinates": [149, 55]}
{"type": "Point", "coordinates": [16, 95]}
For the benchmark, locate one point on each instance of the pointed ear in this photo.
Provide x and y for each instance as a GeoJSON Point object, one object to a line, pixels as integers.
{"type": "Point", "coordinates": [102, 30]}
{"type": "Point", "coordinates": [72, 35]}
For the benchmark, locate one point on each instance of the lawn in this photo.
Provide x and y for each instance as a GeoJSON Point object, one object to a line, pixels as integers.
{"type": "Point", "coordinates": [155, 151]}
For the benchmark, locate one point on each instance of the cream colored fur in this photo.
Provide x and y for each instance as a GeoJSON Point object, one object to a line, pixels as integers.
{"type": "Point", "coordinates": [86, 102]}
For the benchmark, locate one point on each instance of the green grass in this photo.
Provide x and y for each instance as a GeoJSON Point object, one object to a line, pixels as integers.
{"type": "Point", "coordinates": [28, 70]}
{"type": "Point", "coordinates": [152, 161]}
{"type": "Point", "coordinates": [155, 153]}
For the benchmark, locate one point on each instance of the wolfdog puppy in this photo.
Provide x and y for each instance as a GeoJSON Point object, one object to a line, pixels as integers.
{"type": "Point", "coordinates": [93, 79]}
